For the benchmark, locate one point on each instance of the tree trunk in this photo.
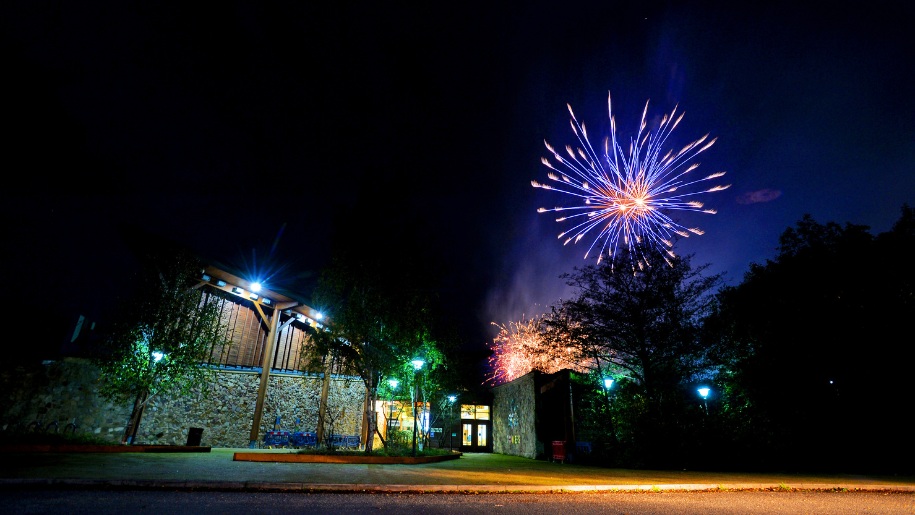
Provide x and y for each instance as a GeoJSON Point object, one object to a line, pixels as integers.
{"type": "Point", "coordinates": [369, 415]}
{"type": "Point", "coordinates": [322, 407]}
{"type": "Point", "coordinates": [133, 425]}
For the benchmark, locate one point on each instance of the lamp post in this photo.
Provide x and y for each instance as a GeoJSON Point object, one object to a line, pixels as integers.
{"type": "Point", "coordinates": [608, 384]}
{"type": "Point", "coordinates": [417, 366]}
{"type": "Point", "coordinates": [393, 384]}
{"type": "Point", "coordinates": [451, 399]}
{"type": "Point", "coordinates": [703, 392]}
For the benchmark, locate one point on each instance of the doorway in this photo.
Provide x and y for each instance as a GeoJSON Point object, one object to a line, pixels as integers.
{"type": "Point", "coordinates": [476, 428]}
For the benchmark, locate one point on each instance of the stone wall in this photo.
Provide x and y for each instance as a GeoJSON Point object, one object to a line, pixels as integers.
{"type": "Point", "coordinates": [514, 418]}
{"type": "Point", "coordinates": [66, 390]}
{"type": "Point", "coordinates": [61, 392]}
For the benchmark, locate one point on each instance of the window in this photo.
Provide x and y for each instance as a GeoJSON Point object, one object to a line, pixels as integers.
{"type": "Point", "coordinates": [474, 411]}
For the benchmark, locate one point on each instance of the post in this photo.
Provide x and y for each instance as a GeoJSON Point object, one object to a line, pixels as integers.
{"type": "Point", "coordinates": [322, 405]}
{"type": "Point", "coordinates": [266, 363]}
{"type": "Point", "coordinates": [417, 365]}
{"type": "Point", "coordinates": [451, 399]}
{"type": "Point", "coordinates": [415, 421]}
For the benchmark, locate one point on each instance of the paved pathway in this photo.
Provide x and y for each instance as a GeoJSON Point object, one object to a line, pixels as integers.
{"type": "Point", "coordinates": [218, 470]}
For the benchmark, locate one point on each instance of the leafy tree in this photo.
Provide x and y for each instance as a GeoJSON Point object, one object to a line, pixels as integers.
{"type": "Point", "coordinates": [815, 370]}
{"type": "Point", "coordinates": [381, 318]}
{"type": "Point", "coordinates": [642, 324]}
{"type": "Point", "coordinates": [162, 335]}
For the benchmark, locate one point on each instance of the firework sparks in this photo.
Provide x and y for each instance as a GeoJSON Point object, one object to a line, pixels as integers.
{"type": "Point", "coordinates": [520, 347]}
{"type": "Point", "coordinates": [627, 199]}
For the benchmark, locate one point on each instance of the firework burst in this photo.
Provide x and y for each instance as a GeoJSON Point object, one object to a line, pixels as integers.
{"type": "Point", "coordinates": [627, 199]}
{"type": "Point", "coordinates": [521, 347]}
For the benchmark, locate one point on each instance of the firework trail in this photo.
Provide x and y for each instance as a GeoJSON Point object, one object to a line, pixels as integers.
{"type": "Point", "coordinates": [626, 199]}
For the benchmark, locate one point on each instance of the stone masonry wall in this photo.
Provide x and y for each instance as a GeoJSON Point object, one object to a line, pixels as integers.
{"type": "Point", "coordinates": [66, 390]}
{"type": "Point", "coordinates": [514, 423]}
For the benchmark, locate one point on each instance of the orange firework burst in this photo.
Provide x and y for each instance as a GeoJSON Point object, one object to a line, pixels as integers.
{"type": "Point", "coordinates": [520, 347]}
{"type": "Point", "coordinates": [627, 199]}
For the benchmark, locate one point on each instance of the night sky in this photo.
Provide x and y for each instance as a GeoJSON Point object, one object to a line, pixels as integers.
{"type": "Point", "coordinates": [260, 134]}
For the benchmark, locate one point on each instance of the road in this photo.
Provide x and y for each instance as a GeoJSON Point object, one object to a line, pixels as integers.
{"type": "Point", "coordinates": [135, 502]}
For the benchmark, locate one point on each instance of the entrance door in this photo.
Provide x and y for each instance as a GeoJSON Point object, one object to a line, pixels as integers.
{"type": "Point", "coordinates": [475, 436]}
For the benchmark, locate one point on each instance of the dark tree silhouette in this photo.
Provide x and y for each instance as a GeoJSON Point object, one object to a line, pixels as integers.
{"type": "Point", "coordinates": [644, 325]}
{"type": "Point", "coordinates": [818, 353]}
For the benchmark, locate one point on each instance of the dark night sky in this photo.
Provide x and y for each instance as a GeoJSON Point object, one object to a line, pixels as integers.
{"type": "Point", "coordinates": [260, 133]}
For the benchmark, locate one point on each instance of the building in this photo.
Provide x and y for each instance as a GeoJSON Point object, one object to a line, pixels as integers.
{"type": "Point", "coordinates": [535, 417]}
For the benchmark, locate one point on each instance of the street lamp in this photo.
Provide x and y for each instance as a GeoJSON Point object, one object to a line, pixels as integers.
{"type": "Point", "coordinates": [393, 383]}
{"type": "Point", "coordinates": [451, 399]}
{"type": "Point", "coordinates": [417, 366]}
{"type": "Point", "coordinates": [704, 391]}
{"type": "Point", "coordinates": [608, 383]}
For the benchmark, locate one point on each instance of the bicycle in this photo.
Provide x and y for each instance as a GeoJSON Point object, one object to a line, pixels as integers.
{"type": "Point", "coordinates": [71, 427]}
{"type": "Point", "coordinates": [35, 426]}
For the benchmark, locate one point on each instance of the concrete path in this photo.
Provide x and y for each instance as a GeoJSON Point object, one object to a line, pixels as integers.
{"type": "Point", "coordinates": [218, 470]}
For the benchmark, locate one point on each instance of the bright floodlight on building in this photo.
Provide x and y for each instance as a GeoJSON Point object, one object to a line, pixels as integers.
{"type": "Point", "coordinates": [319, 316]}
{"type": "Point", "coordinates": [255, 286]}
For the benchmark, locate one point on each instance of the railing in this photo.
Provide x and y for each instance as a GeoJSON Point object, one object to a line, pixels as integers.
{"type": "Point", "coordinates": [300, 440]}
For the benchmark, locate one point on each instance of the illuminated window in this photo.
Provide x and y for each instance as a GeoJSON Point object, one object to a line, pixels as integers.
{"type": "Point", "coordinates": [474, 411]}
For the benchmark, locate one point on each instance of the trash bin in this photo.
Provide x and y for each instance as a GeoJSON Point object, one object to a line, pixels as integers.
{"type": "Point", "coordinates": [559, 451]}
{"type": "Point", "coordinates": [193, 436]}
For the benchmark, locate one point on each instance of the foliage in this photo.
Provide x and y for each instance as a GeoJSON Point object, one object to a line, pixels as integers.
{"type": "Point", "coordinates": [641, 325]}
{"type": "Point", "coordinates": [380, 322]}
{"type": "Point", "coordinates": [162, 335]}
{"type": "Point", "coordinates": [812, 358]}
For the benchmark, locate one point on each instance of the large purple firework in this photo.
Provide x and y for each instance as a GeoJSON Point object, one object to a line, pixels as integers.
{"type": "Point", "coordinates": [627, 199]}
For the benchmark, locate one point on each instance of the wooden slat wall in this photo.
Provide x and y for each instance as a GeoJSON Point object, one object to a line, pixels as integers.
{"type": "Point", "coordinates": [249, 338]}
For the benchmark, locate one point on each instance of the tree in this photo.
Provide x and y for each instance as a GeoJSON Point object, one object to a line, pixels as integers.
{"type": "Point", "coordinates": [162, 337]}
{"type": "Point", "coordinates": [642, 324]}
{"type": "Point", "coordinates": [380, 320]}
{"type": "Point", "coordinates": [824, 318]}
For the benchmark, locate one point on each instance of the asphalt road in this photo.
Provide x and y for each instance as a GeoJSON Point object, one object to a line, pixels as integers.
{"type": "Point", "coordinates": [70, 501]}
